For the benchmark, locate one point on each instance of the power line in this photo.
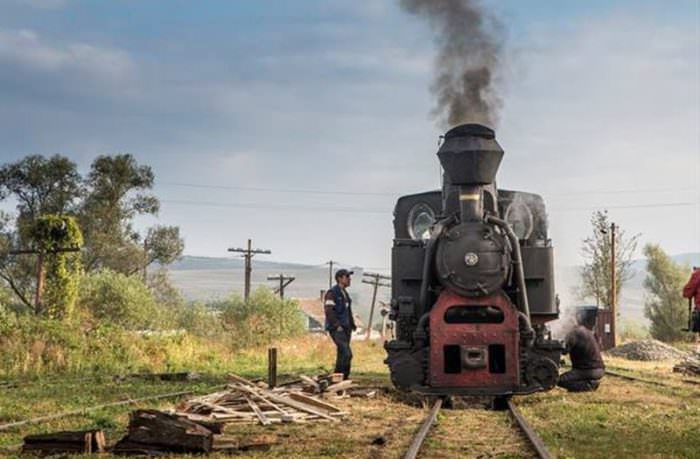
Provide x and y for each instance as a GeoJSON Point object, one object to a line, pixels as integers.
{"type": "Point", "coordinates": [393, 193]}
{"type": "Point", "coordinates": [277, 190]}
{"type": "Point", "coordinates": [261, 206]}
{"type": "Point", "coordinates": [622, 191]}
{"type": "Point", "coordinates": [630, 206]}
{"type": "Point", "coordinates": [276, 206]}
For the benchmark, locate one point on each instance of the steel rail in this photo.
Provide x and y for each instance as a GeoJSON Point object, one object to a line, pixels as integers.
{"type": "Point", "coordinates": [652, 382]}
{"type": "Point", "coordinates": [419, 438]}
{"type": "Point", "coordinates": [529, 432]}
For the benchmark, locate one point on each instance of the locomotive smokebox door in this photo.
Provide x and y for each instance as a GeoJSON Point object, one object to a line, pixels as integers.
{"type": "Point", "coordinates": [474, 344]}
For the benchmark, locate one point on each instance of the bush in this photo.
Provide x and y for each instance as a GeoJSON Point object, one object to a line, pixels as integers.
{"type": "Point", "coordinates": [118, 299]}
{"type": "Point", "coordinates": [199, 320]}
{"type": "Point", "coordinates": [263, 318]}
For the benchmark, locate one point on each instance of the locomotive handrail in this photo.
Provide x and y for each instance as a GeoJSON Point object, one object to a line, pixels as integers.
{"type": "Point", "coordinates": [517, 261]}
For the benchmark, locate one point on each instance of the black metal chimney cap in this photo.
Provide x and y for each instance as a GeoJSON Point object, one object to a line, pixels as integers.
{"type": "Point", "coordinates": [471, 130]}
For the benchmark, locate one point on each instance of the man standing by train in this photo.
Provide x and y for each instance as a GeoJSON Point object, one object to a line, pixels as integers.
{"type": "Point", "coordinates": [582, 346]}
{"type": "Point", "coordinates": [692, 290]}
{"type": "Point", "coordinates": [339, 320]}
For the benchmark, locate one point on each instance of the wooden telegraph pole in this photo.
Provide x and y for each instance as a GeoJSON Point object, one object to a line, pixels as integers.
{"type": "Point", "coordinates": [374, 280]}
{"type": "Point", "coordinates": [330, 264]}
{"type": "Point", "coordinates": [40, 275]}
{"type": "Point", "coordinates": [284, 282]}
{"type": "Point", "coordinates": [248, 254]}
{"type": "Point", "coordinates": [613, 286]}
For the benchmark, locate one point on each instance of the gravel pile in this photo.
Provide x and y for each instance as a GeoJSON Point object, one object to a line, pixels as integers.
{"type": "Point", "coordinates": [690, 364]}
{"type": "Point", "coordinates": [646, 349]}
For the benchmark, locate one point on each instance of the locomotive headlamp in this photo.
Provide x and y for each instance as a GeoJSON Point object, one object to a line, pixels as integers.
{"type": "Point", "coordinates": [420, 218]}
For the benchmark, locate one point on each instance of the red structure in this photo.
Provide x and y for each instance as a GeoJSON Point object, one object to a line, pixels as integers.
{"type": "Point", "coordinates": [474, 343]}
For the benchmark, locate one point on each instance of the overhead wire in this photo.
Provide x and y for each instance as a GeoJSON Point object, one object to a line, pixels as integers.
{"type": "Point", "coordinates": [343, 209]}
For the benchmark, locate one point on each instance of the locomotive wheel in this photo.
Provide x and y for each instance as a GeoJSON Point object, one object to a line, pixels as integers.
{"type": "Point", "coordinates": [406, 370]}
{"type": "Point", "coordinates": [542, 372]}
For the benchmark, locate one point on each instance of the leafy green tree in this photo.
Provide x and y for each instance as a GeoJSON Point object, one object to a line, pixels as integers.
{"type": "Point", "coordinates": [665, 306]}
{"type": "Point", "coordinates": [62, 269]}
{"type": "Point", "coordinates": [163, 245]}
{"type": "Point", "coordinates": [118, 190]}
{"type": "Point", "coordinates": [40, 186]}
{"type": "Point", "coordinates": [263, 318]}
{"type": "Point", "coordinates": [596, 280]}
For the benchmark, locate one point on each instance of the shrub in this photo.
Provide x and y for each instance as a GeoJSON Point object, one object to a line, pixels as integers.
{"type": "Point", "coordinates": [263, 318]}
{"type": "Point", "coordinates": [199, 320]}
{"type": "Point", "coordinates": [121, 300]}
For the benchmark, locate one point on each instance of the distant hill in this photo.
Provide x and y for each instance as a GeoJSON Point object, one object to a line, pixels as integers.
{"type": "Point", "coordinates": [189, 262]}
{"type": "Point", "coordinates": [205, 278]}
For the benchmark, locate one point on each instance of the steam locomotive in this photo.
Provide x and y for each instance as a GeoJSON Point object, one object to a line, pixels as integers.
{"type": "Point", "coordinates": [472, 281]}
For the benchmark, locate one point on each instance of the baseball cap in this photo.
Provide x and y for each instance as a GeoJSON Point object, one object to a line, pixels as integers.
{"type": "Point", "coordinates": [343, 272]}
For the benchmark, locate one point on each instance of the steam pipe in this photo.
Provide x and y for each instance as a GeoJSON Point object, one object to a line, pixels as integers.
{"type": "Point", "coordinates": [517, 261]}
{"type": "Point", "coordinates": [427, 263]}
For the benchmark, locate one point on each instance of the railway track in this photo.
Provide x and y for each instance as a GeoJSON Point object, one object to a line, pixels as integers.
{"type": "Point", "coordinates": [616, 374]}
{"type": "Point", "coordinates": [534, 440]}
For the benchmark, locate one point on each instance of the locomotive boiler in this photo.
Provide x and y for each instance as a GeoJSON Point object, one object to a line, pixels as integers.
{"type": "Point", "coordinates": [472, 281]}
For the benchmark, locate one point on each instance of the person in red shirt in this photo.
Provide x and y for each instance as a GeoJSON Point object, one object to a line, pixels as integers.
{"type": "Point", "coordinates": [692, 290]}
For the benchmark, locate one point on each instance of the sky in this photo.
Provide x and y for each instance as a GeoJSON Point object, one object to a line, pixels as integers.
{"type": "Point", "coordinates": [298, 124]}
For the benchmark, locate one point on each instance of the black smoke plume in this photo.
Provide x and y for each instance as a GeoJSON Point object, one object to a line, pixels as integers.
{"type": "Point", "coordinates": [469, 47]}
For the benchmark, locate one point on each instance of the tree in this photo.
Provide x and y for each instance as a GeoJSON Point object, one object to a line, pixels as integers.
{"type": "Point", "coordinates": [62, 269]}
{"type": "Point", "coordinates": [596, 279]}
{"type": "Point", "coordinates": [162, 244]}
{"type": "Point", "coordinates": [41, 185]}
{"type": "Point", "coordinates": [665, 307]}
{"type": "Point", "coordinates": [117, 192]}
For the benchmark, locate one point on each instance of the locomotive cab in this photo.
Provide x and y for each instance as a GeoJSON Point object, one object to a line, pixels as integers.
{"type": "Point", "coordinates": [472, 280]}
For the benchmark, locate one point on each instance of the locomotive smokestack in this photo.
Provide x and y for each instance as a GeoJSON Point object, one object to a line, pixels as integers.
{"type": "Point", "coordinates": [470, 157]}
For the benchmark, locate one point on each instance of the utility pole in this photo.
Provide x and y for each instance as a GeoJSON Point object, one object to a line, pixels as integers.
{"type": "Point", "coordinates": [330, 264]}
{"type": "Point", "coordinates": [40, 275]}
{"type": "Point", "coordinates": [374, 280]}
{"type": "Point", "coordinates": [613, 285]}
{"type": "Point", "coordinates": [284, 282]}
{"type": "Point", "coordinates": [248, 254]}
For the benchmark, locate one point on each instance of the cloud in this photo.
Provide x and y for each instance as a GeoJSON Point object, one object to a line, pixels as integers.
{"type": "Point", "coordinates": [26, 50]}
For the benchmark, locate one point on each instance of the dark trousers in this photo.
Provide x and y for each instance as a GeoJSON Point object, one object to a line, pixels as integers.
{"type": "Point", "coordinates": [578, 380]}
{"type": "Point", "coordinates": [343, 352]}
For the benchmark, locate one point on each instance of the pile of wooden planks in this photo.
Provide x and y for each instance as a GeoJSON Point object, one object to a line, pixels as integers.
{"type": "Point", "coordinates": [155, 433]}
{"type": "Point", "coordinates": [245, 402]}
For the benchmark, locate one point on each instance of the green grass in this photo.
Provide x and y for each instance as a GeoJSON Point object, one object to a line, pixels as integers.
{"type": "Point", "coordinates": [622, 419]}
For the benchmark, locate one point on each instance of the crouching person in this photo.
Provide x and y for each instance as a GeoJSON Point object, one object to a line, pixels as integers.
{"type": "Point", "coordinates": [586, 361]}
